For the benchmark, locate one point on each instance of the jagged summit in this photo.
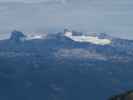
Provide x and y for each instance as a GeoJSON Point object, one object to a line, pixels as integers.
{"type": "Point", "coordinates": [73, 32]}
{"type": "Point", "coordinates": [67, 30]}
{"type": "Point", "coordinates": [100, 39]}
{"type": "Point", "coordinates": [17, 36]}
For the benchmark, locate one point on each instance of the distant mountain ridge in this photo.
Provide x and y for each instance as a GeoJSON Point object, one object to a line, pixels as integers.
{"type": "Point", "coordinates": [119, 49]}
{"type": "Point", "coordinates": [55, 67]}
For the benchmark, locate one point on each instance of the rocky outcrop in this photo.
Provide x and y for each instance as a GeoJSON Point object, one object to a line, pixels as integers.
{"type": "Point", "coordinates": [124, 96]}
{"type": "Point", "coordinates": [17, 36]}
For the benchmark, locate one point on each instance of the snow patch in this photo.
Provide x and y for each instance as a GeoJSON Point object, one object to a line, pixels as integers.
{"type": "Point", "coordinates": [36, 37]}
{"type": "Point", "coordinates": [90, 39]}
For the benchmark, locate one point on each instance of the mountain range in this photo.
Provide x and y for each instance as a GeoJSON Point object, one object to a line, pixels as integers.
{"type": "Point", "coordinates": [55, 67]}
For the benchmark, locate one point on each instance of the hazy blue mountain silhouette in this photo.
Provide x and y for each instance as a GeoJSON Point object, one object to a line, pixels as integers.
{"type": "Point", "coordinates": [17, 36]}
{"type": "Point", "coordinates": [57, 68]}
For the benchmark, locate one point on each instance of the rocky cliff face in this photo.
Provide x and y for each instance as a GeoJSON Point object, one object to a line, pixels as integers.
{"type": "Point", "coordinates": [17, 36]}
{"type": "Point", "coordinates": [123, 96]}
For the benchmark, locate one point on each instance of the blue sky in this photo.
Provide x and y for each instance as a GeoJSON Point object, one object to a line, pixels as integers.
{"type": "Point", "coordinates": [111, 16]}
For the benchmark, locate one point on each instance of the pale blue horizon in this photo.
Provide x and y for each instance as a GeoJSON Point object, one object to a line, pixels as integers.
{"type": "Point", "coordinates": [110, 16]}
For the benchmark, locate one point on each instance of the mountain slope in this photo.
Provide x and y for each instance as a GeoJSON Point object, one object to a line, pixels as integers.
{"type": "Point", "coordinates": [58, 68]}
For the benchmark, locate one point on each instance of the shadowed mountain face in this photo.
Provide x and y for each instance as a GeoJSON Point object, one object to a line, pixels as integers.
{"type": "Point", "coordinates": [17, 36]}
{"type": "Point", "coordinates": [124, 96]}
{"type": "Point", "coordinates": [58, 68]}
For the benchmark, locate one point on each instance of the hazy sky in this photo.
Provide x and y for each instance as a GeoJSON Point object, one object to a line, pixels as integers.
{"type": "Point", "coordinates": [111, 16]}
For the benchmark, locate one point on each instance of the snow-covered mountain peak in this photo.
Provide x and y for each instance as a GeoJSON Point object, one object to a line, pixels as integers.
{"type": "Point", "coordinates": [101, 35]}
{"type": "Point", "coordinates": [94, 39]}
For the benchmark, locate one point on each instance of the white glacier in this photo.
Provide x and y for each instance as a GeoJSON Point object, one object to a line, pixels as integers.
{"type": "Point", "coordinates": [90, 39]}
{"type": "Point", "coordinates": [34, 36]}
